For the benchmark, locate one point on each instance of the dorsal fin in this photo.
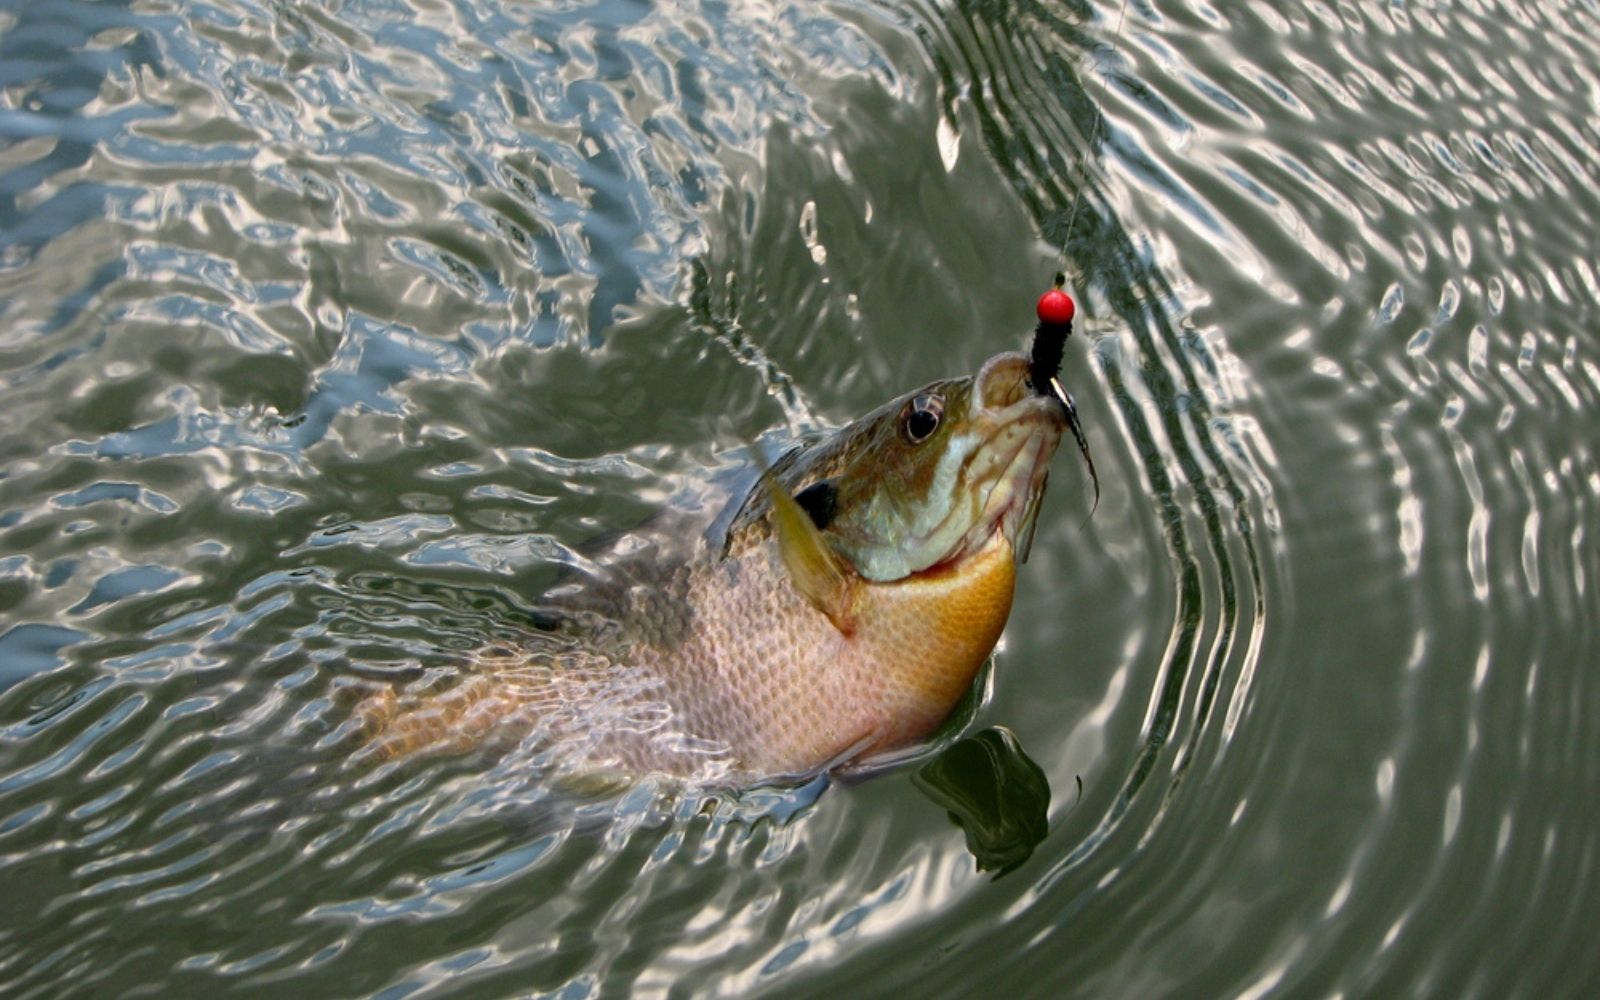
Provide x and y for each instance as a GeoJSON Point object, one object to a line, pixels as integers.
{"type": "Point", "coordinates": [821, 576]}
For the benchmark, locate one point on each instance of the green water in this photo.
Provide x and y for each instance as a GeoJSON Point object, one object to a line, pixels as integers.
{"type": "Point", "coordinates": [330, 334]}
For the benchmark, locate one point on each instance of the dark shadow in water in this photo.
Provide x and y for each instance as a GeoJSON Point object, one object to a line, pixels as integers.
{"type": "Point", "coordinates": [997, 795]}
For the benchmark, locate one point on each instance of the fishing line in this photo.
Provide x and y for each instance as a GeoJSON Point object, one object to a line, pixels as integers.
{"type": "Point", "coordinates": [1056, 308]}
{"type": "Point", "coordinates": [1094, 134]}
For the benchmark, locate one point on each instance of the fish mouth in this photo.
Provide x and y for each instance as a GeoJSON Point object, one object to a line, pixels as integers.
{"type": "Point", "coordinates": [1005, 473]}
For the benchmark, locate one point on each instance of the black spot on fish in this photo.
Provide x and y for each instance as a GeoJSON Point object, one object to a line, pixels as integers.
{"type": "Point", "coordinates": [821, 501]}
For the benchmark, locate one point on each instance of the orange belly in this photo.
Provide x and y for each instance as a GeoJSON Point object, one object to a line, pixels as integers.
{"type": "Point", "coordinates": [928, 635]}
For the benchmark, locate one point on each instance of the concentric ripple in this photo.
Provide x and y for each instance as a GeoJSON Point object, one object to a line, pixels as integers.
{"type": "Point", "coordinates": [332, 335]}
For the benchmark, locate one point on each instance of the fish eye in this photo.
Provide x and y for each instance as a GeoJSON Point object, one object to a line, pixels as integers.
{"type": "Point", "coordinates": [922, 417]}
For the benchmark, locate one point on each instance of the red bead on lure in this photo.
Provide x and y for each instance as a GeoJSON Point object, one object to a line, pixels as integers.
{"type": "Point", "coordinates": [1056, 307]}
{"type": "Point", "coordinates": [1055, 310]}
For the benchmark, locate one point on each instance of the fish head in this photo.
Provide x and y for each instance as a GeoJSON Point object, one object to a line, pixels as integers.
{"type": "Point", "coordinates": [932, 476]}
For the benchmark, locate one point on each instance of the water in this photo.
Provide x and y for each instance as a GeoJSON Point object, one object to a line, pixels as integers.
{"type": "Point", "coordinates": [327, 332]}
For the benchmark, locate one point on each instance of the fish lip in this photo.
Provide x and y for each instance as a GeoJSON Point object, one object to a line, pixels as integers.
{"type": "Point", "coordinates": [1031, 403]}
{"type": "Point", "coordinates": [1020, 485]}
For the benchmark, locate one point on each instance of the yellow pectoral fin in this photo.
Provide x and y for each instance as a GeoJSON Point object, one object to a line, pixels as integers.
{"type": "Point", "coordinates": [818, 573]}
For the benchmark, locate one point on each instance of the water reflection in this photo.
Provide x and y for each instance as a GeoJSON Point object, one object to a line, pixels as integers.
{"type": "Point", "coordinates": [997, 795]}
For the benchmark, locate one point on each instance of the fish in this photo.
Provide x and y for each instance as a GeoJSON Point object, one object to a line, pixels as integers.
{"type": "Point", "coordinates": [840, 614]}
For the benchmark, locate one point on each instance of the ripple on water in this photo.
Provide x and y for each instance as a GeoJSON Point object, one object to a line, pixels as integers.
{"type": "Point", "coordinates": [1410, 212]}
{"type": "Point", "coordinates": [329, 336]}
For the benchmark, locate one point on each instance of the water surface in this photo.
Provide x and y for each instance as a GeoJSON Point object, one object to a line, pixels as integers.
{"type": "Point", "coordinates": [331, 333]}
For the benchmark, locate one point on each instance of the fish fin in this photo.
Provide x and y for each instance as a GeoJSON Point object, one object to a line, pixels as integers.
{"type": "Point", "coordinates": [818, 572]}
